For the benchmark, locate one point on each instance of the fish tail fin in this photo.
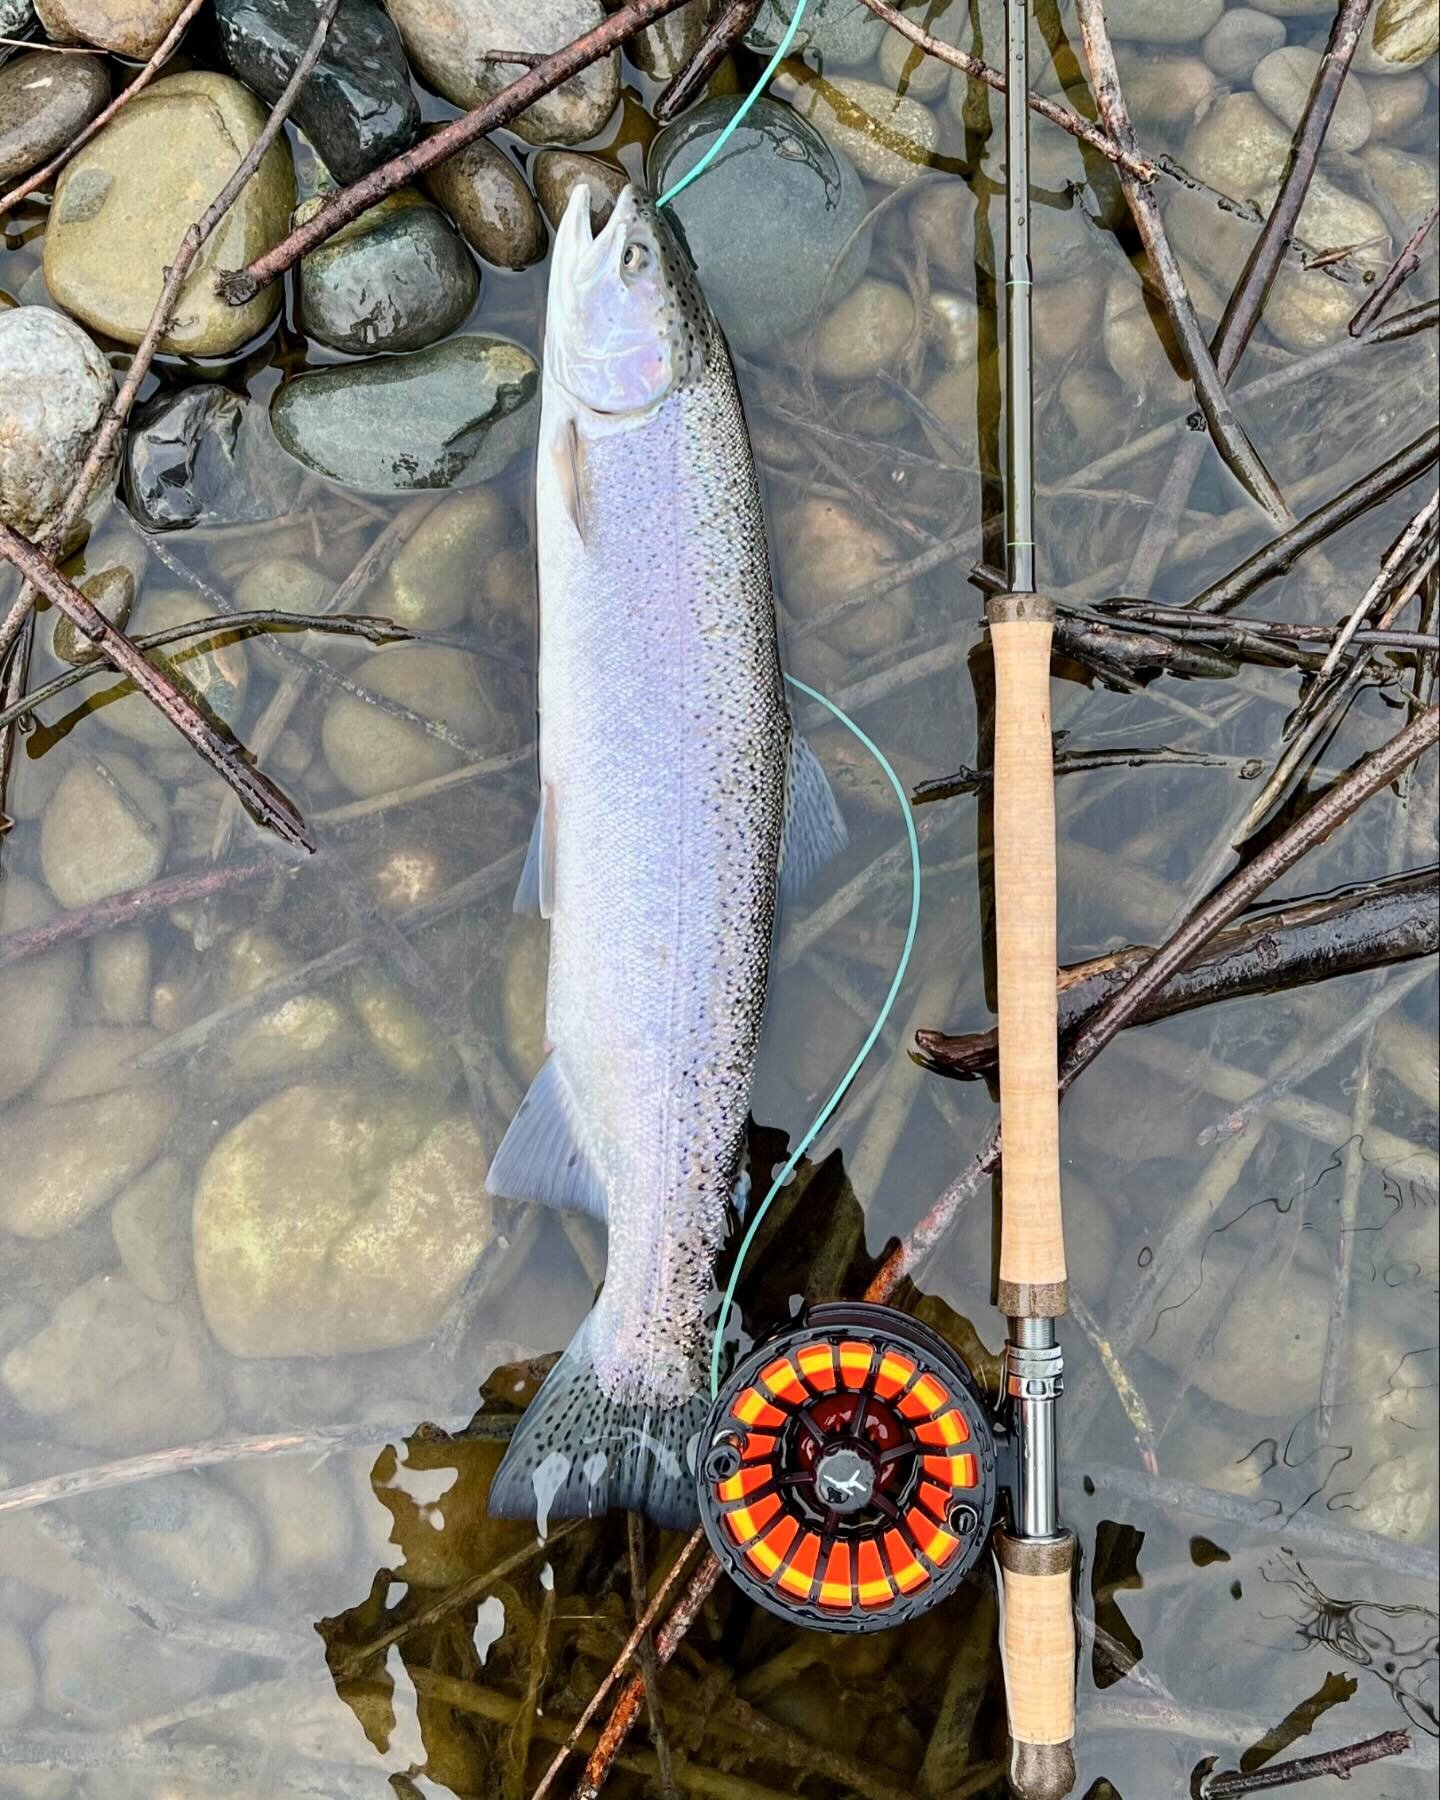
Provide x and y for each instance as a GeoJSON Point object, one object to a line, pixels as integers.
{"type": "Point", "coordinates": [577, 1453]}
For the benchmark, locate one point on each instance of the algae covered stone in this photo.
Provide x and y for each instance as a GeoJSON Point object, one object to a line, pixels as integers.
{"type": "Point", "coordinates": [44, 101]}
{"type": "Point", "coordinates": [443, 417]}
{"type": "Point", "coordinates": [128, 27]}
{"type": "Point", "coordinates": [54, 388]}
{"type": "Point", "coordinates": [123, 204]}
{"type": "Point", "coordinates": [485, 194]}
{"type": "Point", "coordinates": [104, 831]}
{"type": "Point", "coordinates": [333, 1220]}
{"type": "Point", "coordinates": [374, 752]}
{"type": "Point", "coordinates": [63, 1162]}
{"type": "Point", "coordinates": [34, 995]}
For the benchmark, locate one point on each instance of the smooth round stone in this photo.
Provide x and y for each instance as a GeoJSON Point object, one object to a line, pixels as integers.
{"type": "Point", "coordinates": [111, 592]}
{"type": "Point", "coordinates": [96, 1060]}
{"type": "Point", "coordinates": [1284, 81]}
{"type": "Point", "coordinates": [907, 69]}
{"type": "Point", "coordinates": [150, 1222]}
{"type": "Point", "coordinates": [65, 1161]}
{"type": "Point", "coordinates": [1399, 35]}
{"type": "Point", "coordinates": [54, 389]}
{"type": "Point", "coordinates": [447, 38]}
{"type": "Point", "coordinates": [333, 1220]}
{"type": "Point", "coordinates": [1166, 90]}
{"type": "Point", "coordinates": [429, 584]}
{"type": "Point", "coordinates": [889, 137]}
{"type": "Point", "coordinates": [1239, 38]}
{"type": "Point", "coordinates": [522, 993]}
{"type": "Point", "coordinates": [357, 106]}
{"type": "Point", "coordinates": [954, 326]}
{"type": "Point", "coordinates": [403, 1036]}
{"type": "Point", "coordinates": [396, 278]}
{"type": "Point", "coordinates": [100, 837]}
{"type": "Point", "coordinates": [485, 194]}
{"type": "Point", "coordinates": [769, 218]}
{"type": "Point", "coordinates": [281, 584]}
{"type": "Point", "coordinates": [841, 33]}
{"type": "Point", "coordinates": [372, 752]}
{"type": "Point", "coordinates": [663, 49]}
{"type": "Point", "coordinates": [1396, 104]}
{"type": "Point", "coordinates": [102, 1668]}
{"type": "Point", "coordinates": [185, 1537]}
{"type": "Point", "coordinates": [18, 1683]}
{"type": "Point", "coordinates": [124, 203]}
{"type": "Point", "coordinates": [35, 995]}
{"type": "Point", "coordinates": [305, 1511]}
{"type": "Point", "coordinates": [128, 27]}
{"type": "Point", "coordinates": [44, 101]}
{"type": "Point", "coordinates": [299, 1033]}
{"type": "Point", "coordinates": [216, 679]}
{"type": "Point", "coordinates": [865, 332]}
{"type": "Point", "coordinates": [17, 20]}
{"type": "Point", "coordinates": [826, 554]}
{"type": "Point", "coordinates": [1408, 181]}
{"type": "Point", "coordinates": [205, 456]}
{"type": "Point", "coordinates": [1165, 21]}
{"type": "Point", "coordinates": [448, 416]}
{"type": "Point", "coordinates": [1064, 239]}
{"type": "Point", "coordinates": [556, 173]}
{"type": "Point", "coordinates": [120, 976]}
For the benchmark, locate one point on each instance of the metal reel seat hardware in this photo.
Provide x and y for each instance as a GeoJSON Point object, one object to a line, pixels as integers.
{"type": "Point", "coordinates": [848, 1473]}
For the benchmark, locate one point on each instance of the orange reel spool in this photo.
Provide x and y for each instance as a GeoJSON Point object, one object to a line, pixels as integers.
{"type": "Point", "coordinates": [849, 1470]}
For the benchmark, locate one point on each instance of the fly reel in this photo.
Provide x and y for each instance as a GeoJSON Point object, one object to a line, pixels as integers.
{"type": "Point", "coordinates": [849, 1470]}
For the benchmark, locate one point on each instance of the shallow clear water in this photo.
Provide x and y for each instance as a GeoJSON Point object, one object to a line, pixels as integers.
{"type": "Point", "coordinates": [247, 1371]}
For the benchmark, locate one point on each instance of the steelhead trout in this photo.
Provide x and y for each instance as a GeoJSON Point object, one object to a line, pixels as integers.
{"type": "Point", "coordinates": [671, 785]}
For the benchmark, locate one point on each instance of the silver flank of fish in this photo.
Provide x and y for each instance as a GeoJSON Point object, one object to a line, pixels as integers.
{"type": "Point", "coordinates": [664, 748]}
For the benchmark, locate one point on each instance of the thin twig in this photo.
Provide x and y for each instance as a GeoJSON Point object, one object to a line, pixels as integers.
{"type": "Point", "coordinates": [239, 286]}
{"type": "Point", "coordinates": [1126, 157]}
{"type": "Point", "coordinates": [164, 50]}
{"type": "Point", "coordinates": [1230, 438]}
{"type": "Point", "coordinates": [1305, 1768]}
{"type": "Point", "coordinates": [257, 794]}
{"type": "Point", "coordinates": [639, 1589]}
{"type": "Point", "coordinates": [1422, 522]}
{"type": "Point", "coordinates": [1247, 300]}
{"type": "Point", "coordinates": [1403, 267]}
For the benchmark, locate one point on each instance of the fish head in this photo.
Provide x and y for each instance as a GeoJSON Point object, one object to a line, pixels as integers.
{"type": "Point", "coordinates": [627, 325]}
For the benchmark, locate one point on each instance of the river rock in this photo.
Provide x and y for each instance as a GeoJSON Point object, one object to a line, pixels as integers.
{"type": "Point", "coordinates": [54, 388]}
{"type": "Point", "coordinates": [1284, 80]}
{"type": "Point", "coordinates": [205, 456]}
{"type": "Point", "coordinates": [826, 554]}
{"type": "Point", "coordinates": [117, 1371]}
{"type": "Point", "coordinates": [128, 27]}
{"type": "Point", "coordinates": [18, 1684]}
{"type": "Point", "coordinates": [44, 101]}
{"type": "Point", "coordinates": [889, 137]}
{"type": "Point", "coordinates": [101, 836]}
{"type": "Point", "coordinates": [402, 1034]}
{"type": "Point", "coordinates": [17, 20]}
{"type": "Point", "coordinates": [1064, 239]}
{"type": "Point", "coordinates": [1408, 182]}
{"type": "Point", "coordinates": [372, 752]}
{"type": "Point", "coordinates": [396, 278]}
{"type": "Point", "coordinates": [216, 679]}
{"type": "Point", "coordinates": [664, 48]}
{"type": "Point", "coordinates": [1165, 21]}
{"type": "Point", "coordinates": [485, 194]}
{"type": "Point", "coordinates": [447, 38]}
{"type": "Point", "coordinates": [281, 584]}
{"type": "Point", "coordinates": [185, 1537]}
{"type": "Point", "coordinates": [357, 106]}
{"type": "Point", "coordinates": [866, 332]}
{"type": "Point", "coordinates": [303, 1031]}
{"type": "Point", "coordinates": [150, 1223]}
{"type": "Point", "coordinates": [305, 1511]}
{"type": "Point", "coordinates": [769, 218]}
{"type": "Point", "coordinates": [65, 1161]}
{"type": "Point", "coordinates": [907, 69]}
{"type": "Point", "coordinates": [120, 976]}
{"type": "Point", "coordinates": [123, 204]}
{"type": "Point", "coordinates": [840, 33]}
{"type": "Point", "coordinates": [433, 575]}
{"type": "Point", "coordinates": [35, 995]}
{"type": "Point", "coordinates": [96, 1060]}
{"type": "Point", "coordinates": [1166, 91]}
{"type": "Point", "coordinates": [1239, 38]}
{"type": "Point", "coordinates": [112, 592]}
{"type": "Point", "coordinates": [102, 1668]}
{"type": "Point", "coordinates": [1399, 35]}
{"type": "Point", "coordinates": [1396, 104]}
{"type": "Point", "coordinates": [556, 172]}
{"type": "Point", "coordinates": [953, 325]}
{"type": "Point", "coordinates": [448, 416]}
{"type": "Point", "coordinates": [332, 1220]}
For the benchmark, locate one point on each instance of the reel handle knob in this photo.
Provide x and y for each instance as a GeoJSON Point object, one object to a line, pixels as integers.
{"type": "Point", "coordinates": [1038, 1652]}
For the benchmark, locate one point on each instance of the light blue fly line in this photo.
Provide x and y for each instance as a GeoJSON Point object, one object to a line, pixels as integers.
{"type": "Point", "coordinates": [791, 1162]}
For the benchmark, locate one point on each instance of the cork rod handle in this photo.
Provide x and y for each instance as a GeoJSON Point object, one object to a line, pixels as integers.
{"type": "Point", "coordinates": [1032, 1246]}
{"type": "Point", "coordinates": [1038, 1647]}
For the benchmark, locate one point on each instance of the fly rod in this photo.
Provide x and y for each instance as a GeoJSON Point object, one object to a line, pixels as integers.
{"type": "Point", "coordinates": [1036, 1555]}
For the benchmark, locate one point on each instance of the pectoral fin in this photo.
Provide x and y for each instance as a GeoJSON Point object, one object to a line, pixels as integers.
{"type": "Point", "coordinates": [535, 891]}
{"type": "Point", "coordinates": [814, 829]}
{"type": "Point", "coordinates": [568, 459]}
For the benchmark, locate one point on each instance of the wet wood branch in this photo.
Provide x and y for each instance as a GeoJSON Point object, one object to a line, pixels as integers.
{"type": "Point", "coordinates": [722, 34]}
{"type": "Point", "coordinates": [1229, 436]}
{"type": "Point", "coordinates": [164, 50]}
{"type": "Point", "coordinates": [1280, 553]}
{"type": "Point", "coordinates": [1365, 927]}
{"type": "Point", "coordinates": [1403, 267]}
{"type": "Point", "coordinates": [1420, 527]}
{"type": "Point", "coordinates": [1341, 1762]}
{"type": "Point", "coordinates": [1126, 157]}
{"type": "Point", "coordinates": [1247, 298]}
{"type": "Point", "coordinates": [238, 286]}
{"type": "Point", "coordinates": [259, 796]}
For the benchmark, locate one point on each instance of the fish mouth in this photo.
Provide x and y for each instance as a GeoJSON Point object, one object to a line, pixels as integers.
{"type": "Point", "coordinates": [579, 253]}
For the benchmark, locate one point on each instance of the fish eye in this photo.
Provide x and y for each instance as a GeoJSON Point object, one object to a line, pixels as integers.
{"type": "Point", "coordinates": [635, 258]}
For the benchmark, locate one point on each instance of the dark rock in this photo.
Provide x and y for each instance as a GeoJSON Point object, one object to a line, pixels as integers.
{"type": "Point", "coordinates": [396, 278]}
{"type": "Point", "coordinates": [448, 416]}
{"type": "Point", "coordinates": [17, 20]}
{"type": "Point", "coordinates": [485, 194]}
{"type": "Point", "coordinates": [44, 101]}
{"type": "Point", "coordinates": [205, 456]}
{"type": "Point", "coordinates": [358, 107]}
{"type": "Point", "coordinates": [768, 219]}
{"type": "Point", "coordinates": [556, 172]}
